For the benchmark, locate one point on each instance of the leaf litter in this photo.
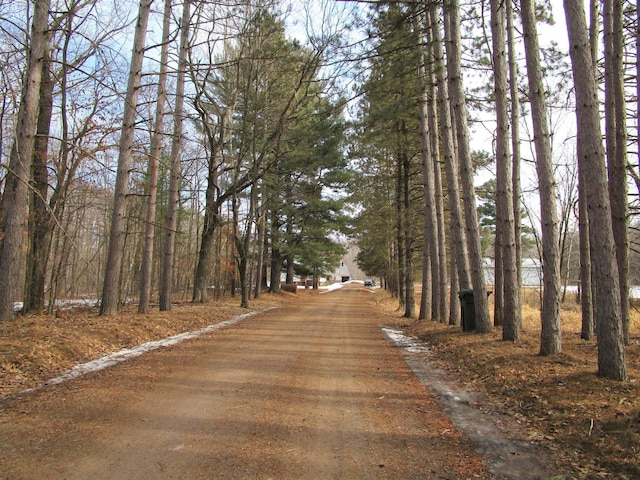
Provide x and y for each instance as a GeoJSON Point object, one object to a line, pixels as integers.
{"type": "Point", "coordinates": [590, 426]}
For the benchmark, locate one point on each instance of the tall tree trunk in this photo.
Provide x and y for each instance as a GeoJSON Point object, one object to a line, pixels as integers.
{"type": "Point", "coordinates": [441, 298]}
{"type": "Point", "coordinates": [171, 222]}
{"type": "Point", "coordinates": [260, 277]}
{"type": "Point", "coordinates": [16, 194]}
{"type": "Point", "coordinates": [551, 340]}
{"type": "Point", "coordinates": [515, 145]}
{"type": "Point", "coordinates": [459, 107]}
{"type": "Point", "coordinates": [110, 291]}
{"type": "Point", "coordinates": [512, 315]}
{"type": "Point", "coordinates": [152, 173]}
{"type": "Point", "coordinates": [40, 221]}
{"type": "Point", "coordinates": [586, 291]}
{"type": "Point", "coordinates": [460, 257]}
{"type": "Point", "coordinates": [591, 157]}
{"type": "Point", "coordinates": [616, 137]}
{"type": "Point", "coordinates": [410, 302]}
{"type": "Point", "coordinates": [400, 230]}
{"type": "Point", "coordinates": [431, 246]}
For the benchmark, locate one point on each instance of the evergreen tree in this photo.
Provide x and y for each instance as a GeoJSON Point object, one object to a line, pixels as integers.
{"type": "Point", "coordinates": [391, 130]}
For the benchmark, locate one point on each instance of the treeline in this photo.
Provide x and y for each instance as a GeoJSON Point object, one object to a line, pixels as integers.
{"type": "Point", "coordinates": [198, 147]}
{"type": "Point", "coordinates": [413, 148]}
{"type": "Point", "coordinates": [183, 150]}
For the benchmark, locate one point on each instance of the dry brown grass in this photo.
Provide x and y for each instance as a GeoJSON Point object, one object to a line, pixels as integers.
{"type": "Point", "coordinates": [37, 348]}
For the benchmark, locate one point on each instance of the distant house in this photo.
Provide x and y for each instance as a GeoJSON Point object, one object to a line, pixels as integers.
{"type": "Point", "coordinates": [348, 268]}
{"type": "Point", "coordinates": [531, 272]}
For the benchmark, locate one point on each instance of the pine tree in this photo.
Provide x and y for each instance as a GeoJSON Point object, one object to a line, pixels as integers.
{"type": "Point", "coordinates": [591, 162]}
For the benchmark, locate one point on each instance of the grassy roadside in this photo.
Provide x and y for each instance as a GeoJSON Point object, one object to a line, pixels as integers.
{"type": "Point", "coordinates": [37, 348]}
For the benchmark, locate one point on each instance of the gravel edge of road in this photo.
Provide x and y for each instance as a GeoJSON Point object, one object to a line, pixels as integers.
{"type": "Point", "coordinates": [507, 456]}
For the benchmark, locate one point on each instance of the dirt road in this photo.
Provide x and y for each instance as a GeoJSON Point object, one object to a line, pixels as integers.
{"type": "Point", "coordinates": [314, 391]}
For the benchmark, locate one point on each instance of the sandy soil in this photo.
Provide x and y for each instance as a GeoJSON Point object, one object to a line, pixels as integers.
{"type": "Point", "coordinates": [313, 390]}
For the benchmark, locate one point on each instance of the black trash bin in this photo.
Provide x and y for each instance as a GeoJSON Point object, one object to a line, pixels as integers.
{"type": "Point", "coordinates": [468, 308]}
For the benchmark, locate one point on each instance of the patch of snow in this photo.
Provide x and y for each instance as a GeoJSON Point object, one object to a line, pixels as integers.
{"type": "Point", "coordinates": [332, 287]}
{"type": "Point", "coordinates": [126, 354]}
{"type": "Point", "coordinates": [508, 458]}
{"type": "Point", "coordinates": [410, 344]}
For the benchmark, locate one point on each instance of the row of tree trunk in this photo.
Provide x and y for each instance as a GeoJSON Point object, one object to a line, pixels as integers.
{"type": "Point", "coordinates": [603, 192]}
{"type": "Point", "coordinates": [444, 130]}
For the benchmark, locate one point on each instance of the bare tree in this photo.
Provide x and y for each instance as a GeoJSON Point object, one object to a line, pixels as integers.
{"type": "Point", "coordinates": [154, 159]}
{"type": "Point", "coordinates": [215, 102]}
{"type": "Point", "coordinates": [591, 158]}
{"type": "Point", "coordinates": [17, 191]}
{"type": "Point", "coordinates": [75, 108]}
{"type": "Point", "coordinates": [171, 221]}
{"type": "Point", "coordinates": [110, 290]}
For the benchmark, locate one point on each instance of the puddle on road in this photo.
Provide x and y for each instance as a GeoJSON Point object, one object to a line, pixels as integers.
{"type": "Point", "coordinates": [507, 458]}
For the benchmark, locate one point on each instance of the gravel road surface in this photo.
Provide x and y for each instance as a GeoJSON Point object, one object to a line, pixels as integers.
{"type": "Point", "coordinates": [308, 391]}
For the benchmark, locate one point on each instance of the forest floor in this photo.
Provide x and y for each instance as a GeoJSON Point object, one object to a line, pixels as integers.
{"type": "Point", "coordinates": [591, 425]}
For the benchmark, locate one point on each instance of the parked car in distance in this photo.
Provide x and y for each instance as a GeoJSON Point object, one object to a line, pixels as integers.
{"type": "Point", "coordinates": [368, 282]}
